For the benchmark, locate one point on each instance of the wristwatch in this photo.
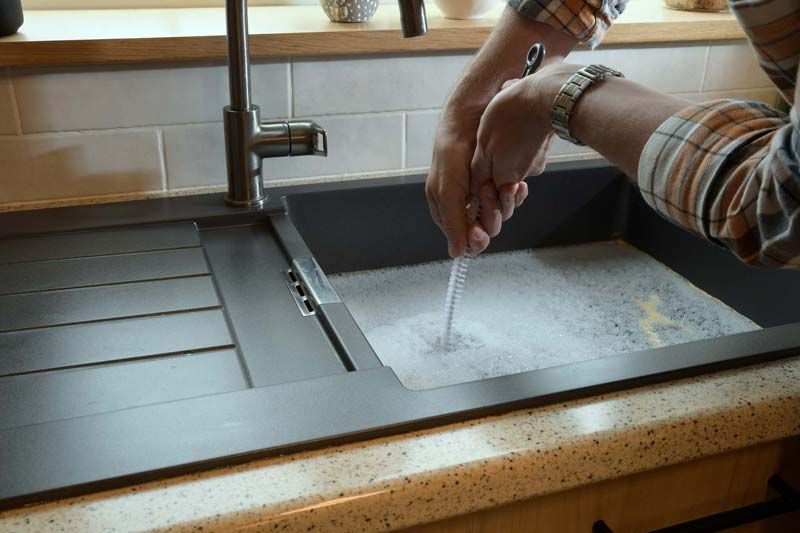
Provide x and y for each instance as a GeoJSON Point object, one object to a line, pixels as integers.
{"type": "Point", "coordinates": [569, 94]}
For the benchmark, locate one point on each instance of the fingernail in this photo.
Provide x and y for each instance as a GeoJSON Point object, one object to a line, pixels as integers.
{"type": "Point", "coordinates": [452, 250]}
{"type": "Point", "coordinates": [498, 220]}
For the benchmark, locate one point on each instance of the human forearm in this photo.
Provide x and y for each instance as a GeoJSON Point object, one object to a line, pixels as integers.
{"type": "Point", "coordinates": [618, 120]}
{"type": "Point", "coordinates": [616, 117]}
{"type": "Point", "coordinates": [725, 170]}
{"type": "Point", "coordinates": [501, 59]}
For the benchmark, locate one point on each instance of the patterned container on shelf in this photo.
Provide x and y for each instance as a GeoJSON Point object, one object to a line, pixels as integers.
{"type": "Point", "coordinates": [349, 10]}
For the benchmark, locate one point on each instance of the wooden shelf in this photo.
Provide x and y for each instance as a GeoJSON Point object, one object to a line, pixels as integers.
{"type": "Point", "coordinates": [74, 37]}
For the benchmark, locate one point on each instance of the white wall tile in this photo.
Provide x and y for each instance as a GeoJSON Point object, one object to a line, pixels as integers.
{"type": "Point", "coordinates": [420, 135]}
{"type": "Point", "coordinates": [187, 101]}
{"type": "Point", "coordinates": [734, 66]}
{"type": "Point", "coordinates": [8, 113]}
{"type": "Point", "coordinates": [672, 68]}
{"type": "Point", "coordinates": [270, 87]}
{"type": "Point", "coordinates": [73, 99]}
{"type": "Point", "coordinates": [338, 86]}
{"type": "Point", "coordinates": [78, 164]}
{"type": "Point", "coordinates": [195, 154]}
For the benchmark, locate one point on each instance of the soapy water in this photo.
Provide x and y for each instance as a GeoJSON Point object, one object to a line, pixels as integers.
{"type": "Point", "coordinates": [529, 309]}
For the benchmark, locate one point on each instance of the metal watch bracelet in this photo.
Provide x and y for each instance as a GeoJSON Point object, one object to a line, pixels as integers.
{"type": "Point", "coordinates": [569, 94]}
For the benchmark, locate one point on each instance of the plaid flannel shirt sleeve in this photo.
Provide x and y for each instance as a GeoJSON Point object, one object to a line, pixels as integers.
{"type": "Point", "coordinates": [586, 20]}
{"type": "Point", "coordinates": [730, 171]}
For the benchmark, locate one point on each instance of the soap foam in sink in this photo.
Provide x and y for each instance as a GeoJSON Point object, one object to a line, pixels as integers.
{"type": "Point", "coordinates": [529, 309]}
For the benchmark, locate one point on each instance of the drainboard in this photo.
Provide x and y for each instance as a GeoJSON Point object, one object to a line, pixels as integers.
{"type": "Point", "coordinates": [95, 321]}
{"type": "Point", "coordinates": [161, 337]}
{"type": "Point", "coordinates": [82, 309]}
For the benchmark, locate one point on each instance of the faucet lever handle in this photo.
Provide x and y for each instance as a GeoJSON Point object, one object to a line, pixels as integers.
{"type": "Point", "coordinates": [307, 138]}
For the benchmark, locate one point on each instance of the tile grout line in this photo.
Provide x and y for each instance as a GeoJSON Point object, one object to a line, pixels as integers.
{"type": "Point", "coordinates": [705, 68]}
{"type": "Point", "coordinates": [30, 205]}
{"type": "Point", "coordinates": [149, 127]}
{"type": "Point", "coordinates": [290, 87]}
{"type": "Point", "coordinates": [162, 156]}
{"type": "Point", "coordinates": [106, 131]}
{"type": "Point", "coordinates": [14, 102]}
{"type": "Point", "coordinates": [404, 141]}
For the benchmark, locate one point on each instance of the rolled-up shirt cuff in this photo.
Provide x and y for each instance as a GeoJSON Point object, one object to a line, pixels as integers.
{"type": "Point", "coordinates": [727, 170]}
{"type": "Point", "coordinates": [586, 20]}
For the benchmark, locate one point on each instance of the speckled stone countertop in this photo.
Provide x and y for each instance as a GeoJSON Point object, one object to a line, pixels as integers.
{"type": "Point", "coordinates": [400, 481]}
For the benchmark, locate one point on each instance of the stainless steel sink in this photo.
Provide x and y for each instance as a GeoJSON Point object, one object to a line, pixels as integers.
{"type": "Point", "coordinates": [146, 339]}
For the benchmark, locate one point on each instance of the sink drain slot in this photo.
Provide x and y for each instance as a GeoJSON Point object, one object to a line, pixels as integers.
{"type": "Point", "coordinates": [299, 293]}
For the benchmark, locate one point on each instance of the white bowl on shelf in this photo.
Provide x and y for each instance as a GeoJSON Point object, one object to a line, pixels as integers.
{"type": "Point", "coordinates": [465, 9]}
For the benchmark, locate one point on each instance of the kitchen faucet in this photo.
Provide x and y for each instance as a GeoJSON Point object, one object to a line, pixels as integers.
{"type": "Point", "coordinates": [248, 140]}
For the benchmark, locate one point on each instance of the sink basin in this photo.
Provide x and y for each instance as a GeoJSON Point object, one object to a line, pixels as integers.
{"type": "Point", "coordinates": [152, 338]}
{"type": "Point", "coordinates": [529, 309]}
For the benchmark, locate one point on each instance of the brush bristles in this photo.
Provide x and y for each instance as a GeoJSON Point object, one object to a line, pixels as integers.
{"type": "Point", "coordinates": [455, 288]}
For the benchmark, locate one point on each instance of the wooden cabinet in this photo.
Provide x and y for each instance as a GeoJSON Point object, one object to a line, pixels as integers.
{"type": "Point", "coordinates": [650, 500]}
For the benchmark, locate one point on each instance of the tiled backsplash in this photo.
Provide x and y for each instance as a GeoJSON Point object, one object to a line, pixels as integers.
{"type": "Point", "coordinates": [72, 133]}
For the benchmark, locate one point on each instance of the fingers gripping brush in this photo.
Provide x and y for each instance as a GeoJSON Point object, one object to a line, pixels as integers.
{"type": "Point", "coordinates": [460, 269]}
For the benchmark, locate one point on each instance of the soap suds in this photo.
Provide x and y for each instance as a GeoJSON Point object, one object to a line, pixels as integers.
{"type": "Point", "coordinates": [652, 319]}
{"type": "Point", "coordinates": [529, 309]}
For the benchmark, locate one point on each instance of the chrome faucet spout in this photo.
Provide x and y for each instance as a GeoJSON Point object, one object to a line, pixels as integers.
{"type": "Point", "coordinates": [248, 141]}
{"type": "Point", "coordinates": [238, 54]}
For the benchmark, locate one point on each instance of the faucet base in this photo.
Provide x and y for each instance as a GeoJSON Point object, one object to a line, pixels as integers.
{"type": "Point", "coordinates": [255, 202]}
{"type": "Point", "coordinates": [245, 185]}
{"type": "Point", "coordinates": [248, 141]}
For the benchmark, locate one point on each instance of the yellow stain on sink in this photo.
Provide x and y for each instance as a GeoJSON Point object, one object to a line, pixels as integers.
{"type": "Point", "coordinates": [652, 319]}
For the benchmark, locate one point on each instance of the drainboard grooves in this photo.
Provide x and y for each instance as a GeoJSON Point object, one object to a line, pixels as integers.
{"type": "Point", "coordinates": [97, 243]}
{"type": "Point", "coordinates": [87, 344]}
{"type": "Point", "coordinates": [98, 321]}
{"type": "Point", "coordinates": [106, 388]}
{"type": "Point", "coordinates": [26, 311]}
{"type": "Point", "coordinates": [40, 276]}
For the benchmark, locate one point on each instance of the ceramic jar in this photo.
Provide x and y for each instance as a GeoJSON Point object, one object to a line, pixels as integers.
{"type": "Point", "coordinates": [10, 16]}
{"type": "Point", "coordinates": [349, 10]}
{"type": "Point", "coordinates": [465, 9]}
{"type": "Point", "coordinates": [698, 5]}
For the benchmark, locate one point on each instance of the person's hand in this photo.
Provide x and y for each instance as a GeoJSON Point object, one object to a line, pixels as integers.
{"type": "Point", "coordinates": [448, 183]}
{"type": "Point", "coordinates": [447, 187]}
{"type": "Point", "coordinates": [513, 139]}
